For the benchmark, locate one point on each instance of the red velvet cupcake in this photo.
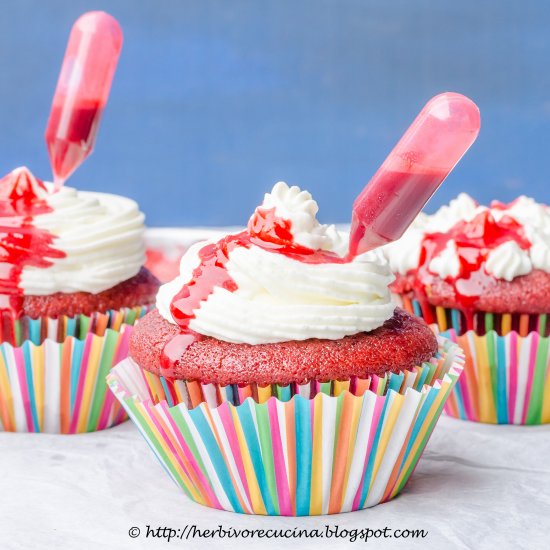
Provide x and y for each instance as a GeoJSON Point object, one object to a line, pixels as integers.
{"type": "Point", "coordinates": [272, 331]}
{"type": "Point", "coordinates": [72, 281]}
{"type": "Point", "coordinates": [295, 362]}
{"type": "Point", "coordinates": [484, 274]}
{"type": "Point", "coordinates": [279, 304]}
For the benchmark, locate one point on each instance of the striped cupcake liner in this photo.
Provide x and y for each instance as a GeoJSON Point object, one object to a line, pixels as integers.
{"type": "Point", "coordinates": [59, 387]}
{"type": "Point", "coordinates": [481, 322]}
{"type": "Point", "coordinates": [507, 364]}
{"type": "Point", "coordinates": [17, 331]}
{"type": "Point", "coordinates": [304, 456]}
{"type": "Point", "coordinates": [193, 393]}
{"type": "Point", "coordinates": [506, 378]}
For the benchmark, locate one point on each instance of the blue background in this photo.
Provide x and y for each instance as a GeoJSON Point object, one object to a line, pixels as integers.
{"type": "Point", "coordinates": [214, 101]}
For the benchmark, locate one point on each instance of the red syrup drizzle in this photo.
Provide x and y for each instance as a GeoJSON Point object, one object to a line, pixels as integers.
{"type": "Point", "coordinates": [265, 230]}
{"type": "Point", "coordinates": [21, 243]}
{"type": "Point", "coordinates": [474, 241]}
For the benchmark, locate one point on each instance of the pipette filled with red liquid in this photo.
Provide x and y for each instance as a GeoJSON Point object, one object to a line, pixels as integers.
{"type": "Point", "coordinates": [425, 155]}
{"type": "Point", "coordinates": [82, 91]}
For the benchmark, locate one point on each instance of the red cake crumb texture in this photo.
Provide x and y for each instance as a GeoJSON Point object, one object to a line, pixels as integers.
{"type": "Point", "coordinates": [139, 290]}
{"type": "Point", "coordinates": [528, 294]}
{"type": "Point", "coordinates": [403, 342]}
{"type": "Point", "coordinates": [473, 289]}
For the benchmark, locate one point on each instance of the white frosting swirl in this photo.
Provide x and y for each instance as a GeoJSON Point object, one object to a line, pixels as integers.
{"type": "Point", "coordinates": [507, 261]}
{"type": "Point", "coordinates": [102, 238]}
{"type": "Point", "coordinates": [299, 208]}
{"type": "Point", "coordinates": [447, 263]}
{"type": "Point", "coordinates": [540, 254]}
{"type": "Point", "coordinates": [462, 208]}
{"type": "Point", "coordinates": [404, 254]}
{"type": "Point", "coordinates": [279, 298]}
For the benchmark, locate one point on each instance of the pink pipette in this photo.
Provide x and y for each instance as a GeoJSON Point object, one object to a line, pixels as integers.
{"type": "Point", "coordinates": [82, 91]}
{"type": "Point", "coordinates": [425, 155]}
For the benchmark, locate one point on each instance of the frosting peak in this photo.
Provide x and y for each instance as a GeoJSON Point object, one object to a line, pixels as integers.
{"type": "Point", "coordinates": [462, 208]}
{"type": "Point", "coordinates": [21, 194]}
{"type": "Point", "coordinates": [284, 278]}
{"type": "Point", "coordinates": [504, 241]}
{"type": "Point", "coordinates": [299, 211]}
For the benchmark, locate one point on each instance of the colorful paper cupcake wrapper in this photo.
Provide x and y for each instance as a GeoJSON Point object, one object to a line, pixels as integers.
{"type": "Point", "coordinates": [193, 393]}
{"type": "Point", "coordinates": [322, 455]}
{"type": "Point", "coordinates": [506, 378]}
{"type": "Point", "coordinates": [59, 387]}
{"type": "Point", "coordinates": [481, 323]}
{"type": "Point", "coordinates": [507, 364]}
{"type": "Point", "coordinates": [17, 331]}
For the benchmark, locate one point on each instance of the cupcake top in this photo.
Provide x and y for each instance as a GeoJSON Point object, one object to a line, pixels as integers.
{"type": "Point", "coordinates": [286, 277]}
{"type": "Point", "coordinates": [63, 240]}
{"type": "Point", "coordinates": [492, 258]}
{"type": "Point", "coordinates": [401, 343]}
{"type": "Point", "coordinates": [280, 302]}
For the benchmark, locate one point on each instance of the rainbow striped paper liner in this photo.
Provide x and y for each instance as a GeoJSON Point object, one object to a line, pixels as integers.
{"type": "Point", "coordinates": [17, 331]}
{"type": "Point", "coordinates": [507, 364]}
{"type": "Point", "coordinates": [193, 393]}
{"type": "Point", "coordinates": [59, 387]}
{"type": "Point", "coordinates": [506, 378]}
{"type": "Point", "coordinates": [483, 322]}
{"type": "Point", "coordinates": [322, 455]}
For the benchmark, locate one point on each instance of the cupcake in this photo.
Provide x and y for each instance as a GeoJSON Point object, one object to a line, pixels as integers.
{"type": "Point", "coordinates": [482, 276]}
{"type": "Point", "coordinates": [72, 282]}
{"type": "Point", "coordinates": [277, 377]}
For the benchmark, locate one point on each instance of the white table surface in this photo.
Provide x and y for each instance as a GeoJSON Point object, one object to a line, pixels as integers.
{"type": "Point", "coordinates": [476, 486]}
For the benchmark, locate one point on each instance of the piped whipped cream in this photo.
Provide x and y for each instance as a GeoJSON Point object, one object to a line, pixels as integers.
{"type": "Point", "coordinates": [299, 208]}
{"type": "Point", "coordinates": [99, 236]}
{"type": "Point", "coordinates": [275, 296]}
{"type": "Point", "coordinates": [506, 261]}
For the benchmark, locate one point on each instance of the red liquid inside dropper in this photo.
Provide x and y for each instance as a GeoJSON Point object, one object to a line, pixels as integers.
{"type": "Point", "coordinates": [428, 151]}
{"type": "Point", "coordinates": [82, 91]}
{"type": "Point", "coordinates": [68, 152]}
{"type": "Point", "coordinates": [386, 225]}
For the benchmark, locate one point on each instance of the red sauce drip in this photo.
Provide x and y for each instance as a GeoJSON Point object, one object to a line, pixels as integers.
{"type": "Point", "coordinates": [274, 234]}
{"type": "Point", "coordinates": [474, 241]}
{"type": "Point", "coordinates": [21, 243]}
{"type": "Point", "coordinates": [265, 230]}
{"type": "Point", "coordinates": [71, 140]}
